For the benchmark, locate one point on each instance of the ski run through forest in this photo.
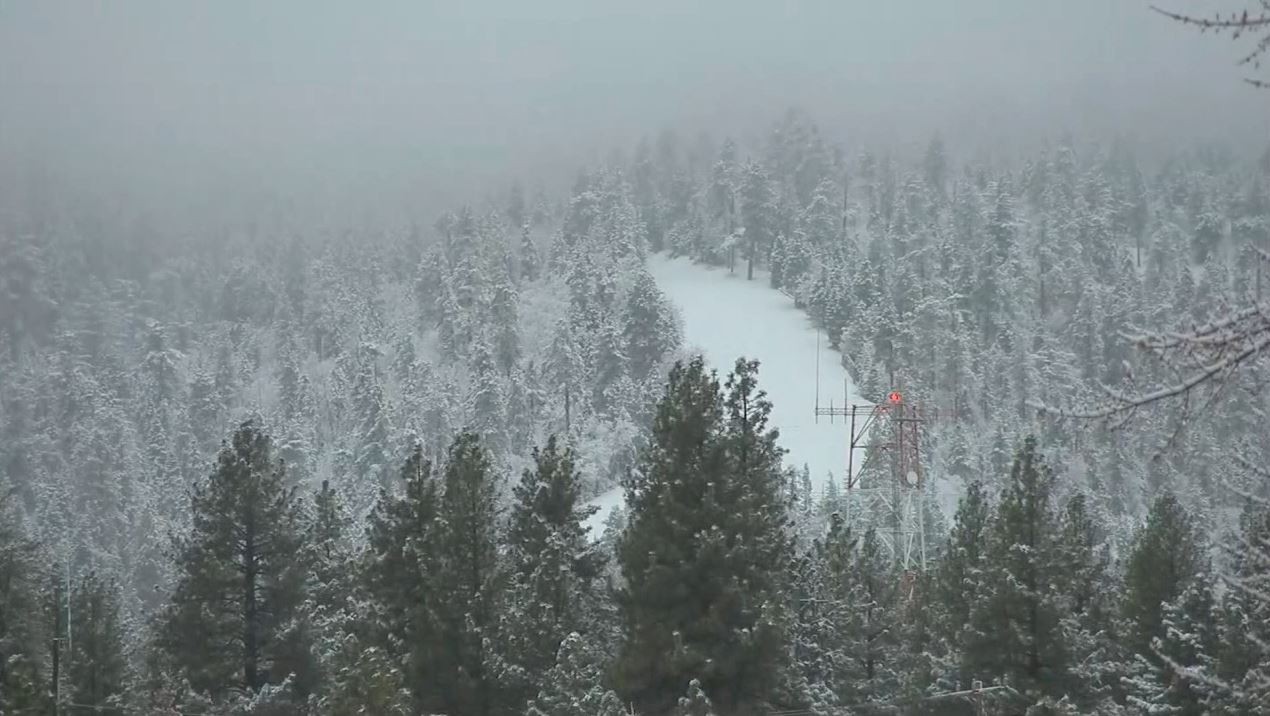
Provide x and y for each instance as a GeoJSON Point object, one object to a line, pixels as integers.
{"type": "Point", "coordinates": [725, 316]}
{"type": "Point", "coordinates": [479, 466]}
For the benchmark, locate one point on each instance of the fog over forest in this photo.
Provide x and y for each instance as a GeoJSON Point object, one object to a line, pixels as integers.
{"type": "Point", "coordinates": [415, 106]}
{"type": "Point", "coordinates": [583, 358]}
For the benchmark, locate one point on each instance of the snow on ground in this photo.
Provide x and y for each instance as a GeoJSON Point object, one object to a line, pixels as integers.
{"type": "Point", "coordinates": [726, 317]}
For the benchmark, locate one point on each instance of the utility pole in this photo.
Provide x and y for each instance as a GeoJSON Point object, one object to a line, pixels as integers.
{"type": "Point", "coordinates": [57, 643]}
{"type": "Point", "coordinates": [70, 646]}
{"type": "Point", "coordinates": [566, 411]}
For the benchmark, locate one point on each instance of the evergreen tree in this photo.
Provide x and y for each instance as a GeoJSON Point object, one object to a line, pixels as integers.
{"type": "Point", "coordinates": [813, 636]}
{"type": "Point", "coordinates": [468, 572]}
{"type": "Point", "coordinates": [758, 210]}
{"type": "Point", "coordinates": [552, 570]}
{"type": "Point", "coordinates": [1166, 556]}
{"type": "Point", "coordinates": [1083, 579]}
{"type": "Point", "coordinates": [695, 703]}
{"type": "Point", "coordinates": [706, 548]}
{"type": "Point", "coordinates": [870, 624]}
{"type": "Point", "coordinates": [233, 618]}
{"type": "Point", "coordinates": [23, 635]}
{"type": "Point", "coordinates": [506, 332]}
{"type": "Point", "coordinates": [1015, 632]}
{"type": "Point", "coordinates": [487, 397]}
{"type": "Point", "coordinates": [331, 594]}
{"type": "Point", "coordinates": [364, 679]}
{"type": "Point", "coordinates": [649, 327]}
{"type": "Point", "coordinates": [960, 574]}
{"type": "Point", "coordinates": [530, 261]}
{"type": "Point", "coordinates": [1178, 675]}
{"type": "Point", "coordinates": [373, 430]}
{"type": "Point", "coordinates": [401, 576]}
{"type": "Point", "coordinates": [1244, 660]}
{"type": "Point", "coordinates": [573, 686]}
{"type": "Point", "coordinates": [96, 668]}
{"type": "Point", "coordinates": [328, 554]}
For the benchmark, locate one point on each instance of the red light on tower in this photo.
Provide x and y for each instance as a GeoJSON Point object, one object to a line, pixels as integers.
{"type": "Point", "coordinates": [894, 396]}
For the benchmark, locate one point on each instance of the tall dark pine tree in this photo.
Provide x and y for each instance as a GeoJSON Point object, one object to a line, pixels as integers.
{"type": "Point", "coordinates": [468, 571]}
{"type": "Point", "coordinates": [1167, 555]}
{"type": "Point", "coordinates": [328, 556]}
{"type": "Point", "coordinates": [400, 574]}
{"type": "Point", "coordinates": [1015, 634]}
{"type": "Point", "coordinates": [706, 548]}
{"type": "Point", "coordinates": [332, 608]}
{"type": "Point", "coordinates": [871, 626]}
{"type": "Point", "coordinates": [232, 620]}
{"type": "Point", "coordinates": [959, 576]}
{"type": "Point", "coordinates": [97, 670]}
{"type": "Point", "coordinates": [1082, 561]}
{"type": "Point", "coordinates": [820, 576]}
{"type": "Point", "coordinates": [23, 638]}
{"type": "Point", "coordinates": [1244, 662]}
{"type": "Point", "coordinates": [1179, 675]}
{"type": "Point", "coordinates": [552, 566]}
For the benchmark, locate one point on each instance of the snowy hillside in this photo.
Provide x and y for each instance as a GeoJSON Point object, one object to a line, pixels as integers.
{"type": "Point", "coordinates": [726, 317]}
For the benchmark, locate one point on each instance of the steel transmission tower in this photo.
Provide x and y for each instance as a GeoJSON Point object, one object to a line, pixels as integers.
{"type": "Point", "coordinates": [885, 481]}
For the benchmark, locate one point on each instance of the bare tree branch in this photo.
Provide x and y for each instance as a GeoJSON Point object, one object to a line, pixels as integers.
{"type": "Point", "coordinates": [1208, 356]}
{"type": "Point", "coordinates": [1235, 24]}
{"type": "Point", "coordinates": [1236, 21]}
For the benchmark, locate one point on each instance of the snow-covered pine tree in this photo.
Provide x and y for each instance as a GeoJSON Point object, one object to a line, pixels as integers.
{"type": "Point", "coordinates": [869, 624]}
{"type": "Point", "coordinates": [574, 685]}
{"type": "Point", "coordinates": [812, 637]}
{"type": "Point", "coordinates": [959, 576]}
{"type": "Point", "coordinates": [1015, 633]}
{"type": "Point", "coordinates": [705, 548]}
{"type": "Point", "coordinates": [649, 326]}
{"type": "Point", "coordinates": [695, 702]}
{"type": "Point", "coordinates": [229, 623]}
{"type": "Point", "coordinates": [400, 575]}
{"type": "Point", "coordinates": [1084, 581]}
{"type": "Point", "coordinates": [468, 572]}
{"type": "Point", "coordinates": [1167, 555]}
{"type": "Point", "coordinates": [552, 571]}
{"type": "Point", "coordinates": [1244, 661]}
{"type": "Point", "coordinates": [328, 555]}
{"type": "Point", "coordinates": [758, 209]}
{"type": "Point", "coordinates": [530, 260]}
{"type": "Point", "coordinates": [23, 636]}
{"type": "Point", "coordinates": [487, 398]}
{"type": "Point", "coordinates": [505, 327]}
{"type": "Point", "coordinates": [97, 670]}
{"type": "Point", "coordinates": [364, 679]}
{"type": "Point", "coordinates": [374, 433]}
{"type": "Point", "coordinates": [1179, 675]}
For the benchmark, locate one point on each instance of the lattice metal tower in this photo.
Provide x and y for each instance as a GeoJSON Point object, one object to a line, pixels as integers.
{"type": "Point", "coordinates": [886, 483]}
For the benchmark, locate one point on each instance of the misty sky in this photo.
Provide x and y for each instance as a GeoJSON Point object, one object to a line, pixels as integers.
{"type": "Point", "coordinates": [429, 103]}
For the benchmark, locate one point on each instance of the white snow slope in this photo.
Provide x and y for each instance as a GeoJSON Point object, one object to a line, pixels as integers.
{"type": "Point", "coordinates": [726, 317]}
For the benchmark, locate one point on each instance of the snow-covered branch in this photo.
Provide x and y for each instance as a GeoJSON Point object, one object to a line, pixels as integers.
{"type": "Point", "coordinates": [1206, 357]}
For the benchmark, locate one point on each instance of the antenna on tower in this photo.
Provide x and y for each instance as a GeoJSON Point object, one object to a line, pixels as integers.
{"type": "Point", "coordinates": [889, 480]}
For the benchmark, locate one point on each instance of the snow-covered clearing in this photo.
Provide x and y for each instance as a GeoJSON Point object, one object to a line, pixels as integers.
{"type": "Point", "coordinates": [726, 317]}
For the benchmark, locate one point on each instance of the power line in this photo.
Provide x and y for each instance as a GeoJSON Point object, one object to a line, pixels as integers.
{"type": "Point", "coordinates": [850, 708]}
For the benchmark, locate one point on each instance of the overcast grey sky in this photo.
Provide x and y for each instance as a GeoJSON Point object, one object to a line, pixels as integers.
{"type": "Point", "coordinates": [424, 103]}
